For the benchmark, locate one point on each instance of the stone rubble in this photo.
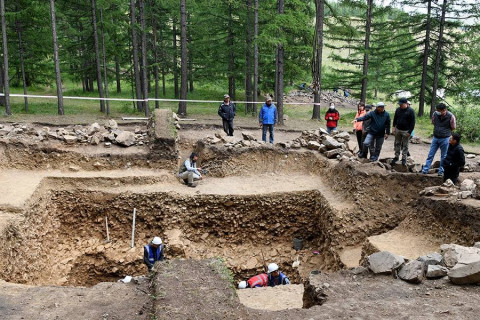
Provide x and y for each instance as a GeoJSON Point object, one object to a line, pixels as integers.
{"type": "Point", "coordinates": [468, 189]}
{"type": "Point", "coordinates": [93, 134]}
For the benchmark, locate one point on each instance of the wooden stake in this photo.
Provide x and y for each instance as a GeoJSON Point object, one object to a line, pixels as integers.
{"type": "Point", "coordinates": [106, 225]}
{"type": "Point", "coordinates": [133, 226]}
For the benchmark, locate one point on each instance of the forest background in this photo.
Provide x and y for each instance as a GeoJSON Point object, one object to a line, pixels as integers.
{"type": "Point", "coordinates": [144, 50]}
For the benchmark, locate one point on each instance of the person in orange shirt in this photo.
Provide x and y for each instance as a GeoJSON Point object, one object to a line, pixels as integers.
{"type": "Point", "coordinates": [357, 126]}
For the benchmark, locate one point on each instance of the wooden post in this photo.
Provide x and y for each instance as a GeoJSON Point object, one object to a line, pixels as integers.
{"type": "Point", "coordinates": [106, 224]}
{"type": "Point", "coordinates": [133, 226]}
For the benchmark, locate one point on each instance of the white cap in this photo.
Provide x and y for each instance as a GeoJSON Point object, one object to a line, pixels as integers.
{"type": "Point", "coordinates": [242, 284]}
{"type": "Point", "coordinates": [272, 267]}
{"type": "Point", "coordinates": [380, 104]}
{"type": "Point", "coordinates": [157, 241]}
{"type": "Point", "coordinates": [225, 96]}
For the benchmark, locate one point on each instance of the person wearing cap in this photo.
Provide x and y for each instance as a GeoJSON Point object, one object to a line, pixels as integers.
{"type": "Point", "coordinates": [357, 126]}
{"type": "Point", "coordinates": [378, 131]}
{"type": "Point", "coordinates": [227, 112]}
{"type": "Point", "coordinates": [275, 277]}
{"type": "Point", "coordinates": [257, 281]}
{"type": "Point", "coordinates": [189, 172]}
{"type": "Point", "coordinates": [267, 119]}
{"type": "Point", "coordinates": [332, 116]}
{"type": "Point", "coordinates": [443, 124]}
{"type": "Point", "coordinates": [454, 160]}
{"type": "Point", "coordinates": [403, 126]}
{"type": "Point", "coordinates": [153, 252]}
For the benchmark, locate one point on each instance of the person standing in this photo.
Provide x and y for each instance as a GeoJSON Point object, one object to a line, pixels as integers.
{"type": "Point", "coordinates": [357, 126]}
{"type": "Point", "coordinates": [227, 112]}
{"type": "Point", "coordinates": [153, 252]}
{"type": "Point", "coordinates": [268, 118]}
{"type": "Point", "coordinates": [332, 116]}
{"type": "Point", "coordinates": [378, 131]}
{"type": "Point", "coordinates": [454, 160]}
{"type": "Point", "coordinates": [443, 124]}
{"type": "Point", "coordinates": [403, 126]}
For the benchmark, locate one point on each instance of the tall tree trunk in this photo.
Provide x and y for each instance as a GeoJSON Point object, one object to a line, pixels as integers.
{"type": "Point", "coordinates": [255, 58]}
{"type": "Point", "coordinates": [136, 71]}
{"type": "Point", "coordinates": [164, 90]}
{"type": "Point", "coordinates": [2, 85]}
{"type": "Point", "coordinates": [438, 58]}
{"type": "Point", "coordinates": [97, 55]}
{"type": "Point", "coordinates": [368, 26]}
{"type": "Point", "coordinates": [317, 57]}
{"type": "Point", "coordinates": [104, 56]}
{"type": "Point", "coordinates": [175, 58]}
{"type": "Point", "coordinates": [248, 59]}
{"type": "Point", "coordinates": [182, 105]}
{"type": "Point", "coordinates": [117, 66]}
{"type": "Point", "coordinates": [6, 80]}
{"type": "Point", "coordinates": [280, 67]}
{"type": "Point", "coordinates": [426, 53]}
{"type": "Point", "coordinates": [155, 59]}
{"type": "Point", "coordinates": [56, 60]}
{"type": "Point", "coordinates": [190, 65]}
{"type": "Point", "coordinates": [22, 63]}
{"type": "Point", "coordinates": [231, 55]}
{"type": "Point", "coordinates": [144, 59]}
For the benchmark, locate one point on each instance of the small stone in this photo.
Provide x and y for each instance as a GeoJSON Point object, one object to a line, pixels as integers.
{"type": "Point", "coordinates": [470, 156]}
{"type": "Point", "coordinates": [343, 135]}
{"type": "Point", "coordinates": [412, 272]}
{"type": "Point", "coordinates": [74, 168]}
{"type": "Point", "coordinates": [94, 127]}
{"type": "Point", "coordinates": [467, 185]}
{"type": "Point", "coordinates": [465, 273]}
{"type": "Point", "coordinates": [108, 144]}
{"type": "Point", "coordinates": [333, 153]}
{"type": "Point", "coordinates": [384, 262]}
{"type": "Point", "coordinates": [313, 145]}
{"type": "Point", "coordinates": [125, 138]}
{"type": "Point", "coordinates": [331, 143]}
{"type": "Point", "coordinates": [248, 136]}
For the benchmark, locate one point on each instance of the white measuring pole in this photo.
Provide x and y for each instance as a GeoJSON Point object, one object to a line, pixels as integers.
{"type": "Point", "coordinates": [106, 224]}
{"type": "Point", "coordinates": [133, 226]}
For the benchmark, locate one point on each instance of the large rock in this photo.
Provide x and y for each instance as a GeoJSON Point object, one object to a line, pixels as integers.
{"type": "Point", "coordinates": [70, 139]}
{"type": "Point", "coordinates": [331, 143]}
{"type": "Point", "coordinates": [467, 185]}
{"type": "Point", "coordinates": [125, 138]}
{"type": "Point", "coordinates": [434, 258]}
{"type": "Point", "coordinates": [435, 271]}
{"type": "Point", "coordinates": [330, 154]}
{"type": "Point", "coordinates": [412, 272]}
{"type": "Point", "coordinates": [111, 124]}
{"type": "Point", "coordinates": [453, 254]}
{"type": "Point", "coordinates": [343, 135]}
{"type": "Point", "coordinates": [465, 274]}
{"type": "Point", "coordinates": [384, 262]}
{"type": "Point", "coordinates": [313, 145]}
{"type": "Point", "coordinates": [248, 136]}
{"type": "Point", "coordinates": [94, 127]}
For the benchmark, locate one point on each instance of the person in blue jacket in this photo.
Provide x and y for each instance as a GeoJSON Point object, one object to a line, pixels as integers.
{"type": "Point", "coordinates": [275, 277]}
{"type": "Point", "coordinates": [268, 118]}
{"type": "Point", "coordinates": [153, 252]}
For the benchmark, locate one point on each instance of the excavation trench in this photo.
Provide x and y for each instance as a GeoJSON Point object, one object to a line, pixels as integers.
{"type": "Point", "coordinates": [62, 238]}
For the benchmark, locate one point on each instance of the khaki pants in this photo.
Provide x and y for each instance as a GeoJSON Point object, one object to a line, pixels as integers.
{"type": "Point", "coordinates": [188, 176]}
{"type": "Point", "coordinates": [401, 143]}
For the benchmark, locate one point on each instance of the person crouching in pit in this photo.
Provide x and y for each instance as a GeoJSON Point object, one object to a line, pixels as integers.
{"type": "Point", "coordinates": [257, 281]}
{"type": "Point", "coordinates": [153, 252]}
{"type": "Point", "coordinates": [275, 277]}
{"type": "Point", "coordinates": [454, 160]}
{"type": "Point", "coordinates": [189, 172]}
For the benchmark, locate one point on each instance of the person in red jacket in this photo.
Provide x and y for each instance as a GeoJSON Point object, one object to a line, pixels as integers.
{"type": "Point", "coordinates": [332, 116]}
{"type": "Point", "coordinates": [257, 281]}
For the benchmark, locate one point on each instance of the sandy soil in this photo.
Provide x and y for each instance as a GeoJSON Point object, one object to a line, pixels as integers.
{"type": "Point", "coordinates": [273, 298]}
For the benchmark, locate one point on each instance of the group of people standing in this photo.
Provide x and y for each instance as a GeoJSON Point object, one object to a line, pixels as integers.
{"type": "Point", "coordinates": [373, 127]}
{"type": "Point", "coordinates": [267, 118]}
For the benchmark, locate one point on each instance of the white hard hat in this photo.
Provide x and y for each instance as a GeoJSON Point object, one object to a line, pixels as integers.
{"type": "Point", "coordinates": [272, 267]}
{"type": "Point", "coordinates": [157, 241]}
{"type": "Point", "coordinates": [242, 284]}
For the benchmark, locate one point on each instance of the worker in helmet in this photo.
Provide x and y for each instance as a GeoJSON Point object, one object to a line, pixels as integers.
{"type": "Point", "coordinates": [257, 281]}
{"type": "Point", "coordinates": [275, 277]}
{"type": "Point", "coordinates": [153, 252]}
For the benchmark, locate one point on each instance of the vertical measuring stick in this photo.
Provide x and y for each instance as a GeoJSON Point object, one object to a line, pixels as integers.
{"type": "Point", "coordinates": [106, 224]}
{"type": "Point", "coordinates": [133, 226]}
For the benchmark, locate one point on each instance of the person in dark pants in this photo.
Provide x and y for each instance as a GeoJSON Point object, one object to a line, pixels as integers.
{"type": "Point", "coordinates": [454, 160]}
{"type": "Point", "coordinates": [268, 118]}
{"type": "Point", "coordinates": [227, 112]}
{"type": "Point", "coordinates": [153, 252]}
{"type": "Point", "coordinates": [403, 125]}
{"type": "Point", "coordinates": [379, 130]}
{"type": "Point", "coordinates": [357, 126]}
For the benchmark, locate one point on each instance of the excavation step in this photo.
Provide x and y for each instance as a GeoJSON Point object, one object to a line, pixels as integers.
{"type": "Point", "coordinates": [402, 242]}
{"type": "Point", "coordinates": [273, 298]}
